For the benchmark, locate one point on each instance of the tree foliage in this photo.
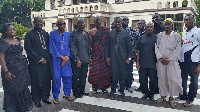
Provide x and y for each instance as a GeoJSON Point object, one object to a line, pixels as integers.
{"type": "Point", "coordinates": [184, 3]}
{"type": "Point", "coordinates": [19, 11]}
{"type": "Point", "coordinates": [198, 11]}
{"type": "Point", "coordinates": [20, 30]}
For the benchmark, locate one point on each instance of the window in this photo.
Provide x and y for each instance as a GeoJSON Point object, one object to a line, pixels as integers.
{"type": "Point", "coordinates": [178, 27]}
{"type": "Point", "coordinates": [81, 9]}
{"type": "Point", "coordinates": [54, 27]}
{"type": "Point", "coordinates": [86, 8]}
{"type": "Point", "coordinates": [159, 5]}
{"type": "Point", "coordinates": [91, 8]}
{"type": "Point", "coordinates": [162, 17]}
{"type": "Point", "coordinates": [68, 10]}
{"type": "Point", "coordinates": [175, 4]}
{"type": "Point", "coordinates": [170, 16]}
{"type": "Point", "coordinates": [178, 17]}
{"type": "Point", "coordinates": [96, 7]}
{"type": "Point", "coordinates": [75, 2]}
{"type": "Point", "coordinates": [119, 1]}
{"type": "Point", "coordinates": [64, 10]}
{"type": "Point", "coordinates": [167, 4]}
{"type": "Point", "coordinates": [83, 1]}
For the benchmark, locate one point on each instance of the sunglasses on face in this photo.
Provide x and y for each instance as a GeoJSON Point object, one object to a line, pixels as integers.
{"type": "Point", "coordinates": [60, 24]}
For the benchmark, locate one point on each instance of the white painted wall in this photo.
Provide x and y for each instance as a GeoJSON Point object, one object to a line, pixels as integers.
{"type": "Point", "coordinates": [110, 7]}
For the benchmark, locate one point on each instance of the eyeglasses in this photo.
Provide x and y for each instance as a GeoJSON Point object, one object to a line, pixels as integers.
{"type": "Point", "coordinates": [60, 24]}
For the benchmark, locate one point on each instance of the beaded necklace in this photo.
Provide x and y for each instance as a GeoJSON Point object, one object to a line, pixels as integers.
{"type": "Point", "coordinates": [42, 41]}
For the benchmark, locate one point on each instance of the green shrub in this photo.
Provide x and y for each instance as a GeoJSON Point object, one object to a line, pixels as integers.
{"type": "Point", "coordinates": [20, 30]}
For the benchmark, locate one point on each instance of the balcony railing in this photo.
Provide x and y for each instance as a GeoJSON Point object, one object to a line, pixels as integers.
{"type": "Point", "coordinates": [84, 8]}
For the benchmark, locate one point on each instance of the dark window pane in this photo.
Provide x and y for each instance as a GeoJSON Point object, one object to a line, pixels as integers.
{"type": "Point", "coordinates": [178, 27]}
{"type": "Point", "coordinates": [75, 2]}
{"type": "Point", "coordinates": [170, 16]}
{"type": "Point", "coordinates": [162, 17]}
{"type": "Point", "coordinates": [178, 17]}
{"type": "Point", "coordinates": [83, 1]}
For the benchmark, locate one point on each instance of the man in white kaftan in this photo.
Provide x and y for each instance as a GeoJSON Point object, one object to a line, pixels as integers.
{"type": "Point", "coordinates": [168, 49]}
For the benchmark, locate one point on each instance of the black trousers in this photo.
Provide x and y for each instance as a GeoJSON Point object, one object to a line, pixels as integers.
{"type": "Point", "coordinates": [42, 91]}
{"type": "Point", "coordinates": [144, 74]}
{"type": "Point", "coordinates": [188, 69]}
{"type": "Point", "coordinates": [79, 77]}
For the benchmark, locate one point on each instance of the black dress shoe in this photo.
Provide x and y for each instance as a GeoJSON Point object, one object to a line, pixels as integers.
{"type": "Point", "coordinates": [151, 97]}
{"type": "Point", "coordinates": [46, 101]}
{"type": "Point", "coordinates": [111, 93]}
{"type": "Point", "coordinates": [122, 94]}
{"type": "Point", "coordinates": [38, 104]}
{"type": "Point", "coordinates": [145, 96]}
{"type": "Point", "coordinates": [84, 93]}
{"type": "Point", "coordinates": [78, 96]}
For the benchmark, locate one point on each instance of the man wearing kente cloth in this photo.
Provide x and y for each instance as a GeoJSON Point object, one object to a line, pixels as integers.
{"type": "Point", "coordinates": [99, 75]}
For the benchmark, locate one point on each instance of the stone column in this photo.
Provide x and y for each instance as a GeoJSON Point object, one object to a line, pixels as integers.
{"type": "Point", "coordinates": [69, 25]}
{"type": "Point", "coordinates": [88, 23]}
{"type": "Point", "coordinates": [108, 22]}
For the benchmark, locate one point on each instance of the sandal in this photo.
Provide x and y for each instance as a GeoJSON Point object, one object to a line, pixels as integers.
{"type": "Point", "coordinates": [56, 101]}
{"type": "Point", "coordinates": [104, 91]}
{"type": "Point", "coordinates": [94, 91]}
{"type": "Point", "coordinates": [68, 97]}
{"type": "Point", "coordinates": [172, 103]}
{"type": "Point", "coordinates": [187, 104]}
{"type": "Point", "coordinates": [160, 100]}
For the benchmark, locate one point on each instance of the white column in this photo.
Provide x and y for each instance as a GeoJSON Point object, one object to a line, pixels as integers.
{"type": "Point", "coordinates": [47, 5]}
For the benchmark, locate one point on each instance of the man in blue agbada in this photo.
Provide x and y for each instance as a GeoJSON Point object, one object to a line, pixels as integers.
{"type": "Point", "coordinates": [59, 43]}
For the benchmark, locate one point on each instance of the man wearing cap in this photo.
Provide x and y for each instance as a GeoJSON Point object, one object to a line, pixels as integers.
{"type": "Point", "coordinates": [60, 50]}
{"type": "Point", "coordinates": [168, 49]}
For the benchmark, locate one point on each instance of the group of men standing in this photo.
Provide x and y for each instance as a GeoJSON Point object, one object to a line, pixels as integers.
{"type": "Point", "coordinates": [110, 54]}
{"type": "Point", "coordinates": [161, 57]}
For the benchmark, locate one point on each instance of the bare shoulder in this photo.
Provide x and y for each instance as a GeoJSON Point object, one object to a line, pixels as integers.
{"type": "Point", "coordinates": [92, 32]}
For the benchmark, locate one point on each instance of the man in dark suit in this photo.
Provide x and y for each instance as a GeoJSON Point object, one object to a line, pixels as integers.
{"type": "Point", "coordinates": [40, 67]}
{"type": "Point", "coordinates": [118, 54]}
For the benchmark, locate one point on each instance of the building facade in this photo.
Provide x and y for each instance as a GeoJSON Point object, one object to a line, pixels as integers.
{"type": "Point", "coordinates": [136, 10]}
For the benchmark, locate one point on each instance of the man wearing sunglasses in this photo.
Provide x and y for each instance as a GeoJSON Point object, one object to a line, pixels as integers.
{"type": "Point", "coordinates": [60, 49]}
